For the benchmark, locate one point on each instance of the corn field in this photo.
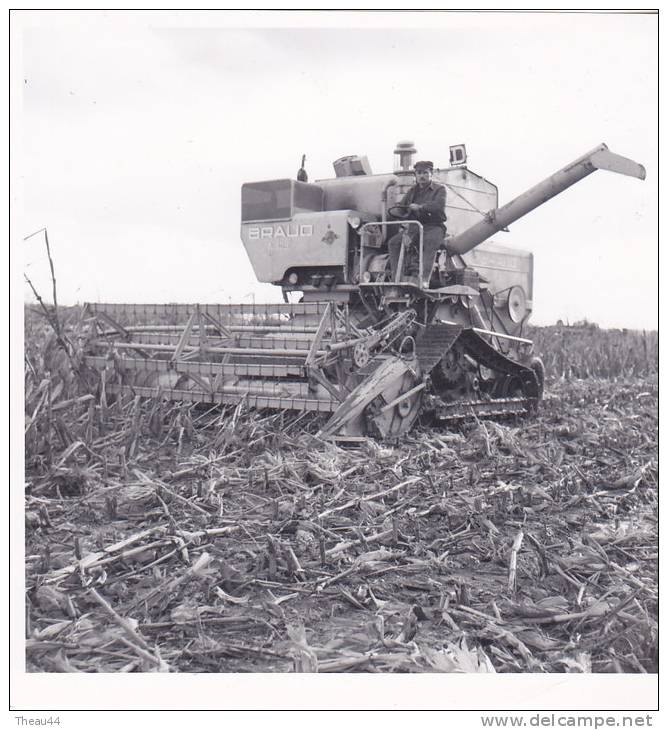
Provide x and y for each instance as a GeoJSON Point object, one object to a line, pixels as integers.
{"type": "Point", "coordinates": [590, 352]}
{"type": "Point", "coordinates": [172, 538]}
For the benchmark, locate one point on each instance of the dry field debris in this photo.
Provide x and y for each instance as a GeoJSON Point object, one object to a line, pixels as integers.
{"type": "Point", "coordinates": [161, 537]}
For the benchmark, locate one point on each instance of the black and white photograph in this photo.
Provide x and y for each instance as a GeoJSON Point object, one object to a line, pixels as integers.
{"type": "Point", "coordinates": [335, 344]}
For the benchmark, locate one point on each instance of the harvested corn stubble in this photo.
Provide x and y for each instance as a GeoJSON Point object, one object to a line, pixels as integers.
{"type": "Point", "coordinates": [163, 537]}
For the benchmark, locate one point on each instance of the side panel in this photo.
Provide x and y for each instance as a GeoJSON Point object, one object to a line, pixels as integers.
{"type": "Point", "coordinates": [307, 239]}
{"type": "Point", "coordinates": [468, 197]}
{"type": "Point", "coordinates": [503, 268]}
{"type": "Point", "coordinates": [360, 192]}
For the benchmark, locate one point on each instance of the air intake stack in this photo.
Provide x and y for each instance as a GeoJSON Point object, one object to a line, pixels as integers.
{"type": "Point", "coordinates": [403, 156]}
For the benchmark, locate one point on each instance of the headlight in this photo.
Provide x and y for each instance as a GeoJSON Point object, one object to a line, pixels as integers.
{"type": "Point", "coordinates": [366, 277]}
{"type": "Point", "coordinates": [355, 221]}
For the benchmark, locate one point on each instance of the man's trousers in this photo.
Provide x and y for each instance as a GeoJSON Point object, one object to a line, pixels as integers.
{"type": "Point", "coordinates": [432, 241]}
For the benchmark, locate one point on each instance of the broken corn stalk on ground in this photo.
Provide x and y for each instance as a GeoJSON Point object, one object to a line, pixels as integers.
{"type": "Point", "coordinates": [168, 538]}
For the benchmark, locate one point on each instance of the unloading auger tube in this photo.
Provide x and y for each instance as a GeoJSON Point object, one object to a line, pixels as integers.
{"type": "Point", "coordinates": [600, 158]}
{"type": "Point", "coordinates": [371, 350]}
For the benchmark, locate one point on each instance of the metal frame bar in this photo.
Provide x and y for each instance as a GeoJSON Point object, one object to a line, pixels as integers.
{"type": "Point", "coordinates": [209, 369]}
{"type": "Point", "coordinates": [403, 396]}
{"type": "Point", "coordinates": [183, 339]}
{"type": "Point", "coordinates": [254, 351]}
{"type": "Point", "coordinates": [480, 331]}
{"type": "Point", "coordinates": [330, 387]}
{"type": "Point", "coordinates": [320, 332]}
{"type": "Point", "coordinates": [153, 311]}
{"type": "Point", "coordinates": [400, 264]}
{"type": "Point", "coordinates": [224, 331]}
{"type": "Point", "coordinates": [253, 401]}
{"type": "Point", "coordinates": [117, 328]}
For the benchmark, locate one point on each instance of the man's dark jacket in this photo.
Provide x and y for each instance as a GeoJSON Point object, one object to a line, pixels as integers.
{"type": "Point", "coordinates": [432, 198]}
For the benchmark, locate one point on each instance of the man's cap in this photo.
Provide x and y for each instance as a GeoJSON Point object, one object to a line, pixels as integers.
{"type": "Point", "coordinates": [424, 165]}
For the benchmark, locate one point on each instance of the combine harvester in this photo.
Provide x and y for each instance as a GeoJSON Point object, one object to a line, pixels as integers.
{"type": "Point", "coordinates": [371, 349]}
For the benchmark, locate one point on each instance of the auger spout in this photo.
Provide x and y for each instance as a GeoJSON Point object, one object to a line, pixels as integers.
{"type": "Point", "coordinates": [600, 158]}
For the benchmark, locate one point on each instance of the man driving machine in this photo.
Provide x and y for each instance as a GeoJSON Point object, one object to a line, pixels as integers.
{"type": "Point", "coordinates": [424, 202]}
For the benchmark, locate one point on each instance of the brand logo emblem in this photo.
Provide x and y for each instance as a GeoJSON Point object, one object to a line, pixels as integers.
{"type": "Point", "coordinates": [329, 237]}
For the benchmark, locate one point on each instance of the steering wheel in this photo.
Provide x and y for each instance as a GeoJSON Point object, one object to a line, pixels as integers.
{"type": "Point", "coordinates": [399, 211]}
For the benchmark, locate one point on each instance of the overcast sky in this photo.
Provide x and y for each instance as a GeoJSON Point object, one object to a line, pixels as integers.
{"type": "Point", "coordinates": [136, 132]}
